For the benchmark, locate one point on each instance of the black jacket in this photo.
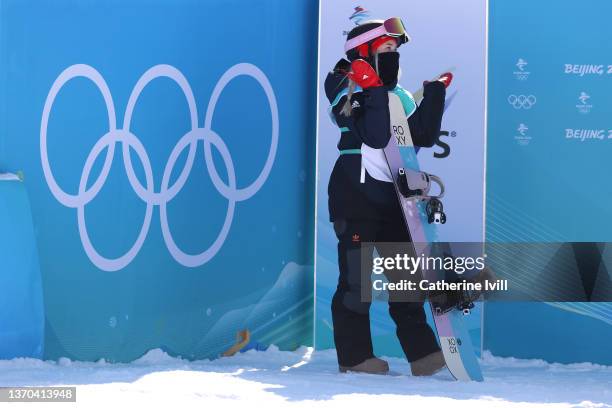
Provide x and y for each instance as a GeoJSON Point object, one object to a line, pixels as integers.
{"type": "Point", "coordinates": [369, 123]}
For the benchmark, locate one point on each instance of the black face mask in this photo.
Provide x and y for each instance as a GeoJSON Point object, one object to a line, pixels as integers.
{"type": "Point", "coordinates": [388, 67]}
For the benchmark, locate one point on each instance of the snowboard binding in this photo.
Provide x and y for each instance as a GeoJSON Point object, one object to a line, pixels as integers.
{"type": "Point", "coordinates": [446, 301]}
{"type": "Point", "coordinates": [419, 182]}
{"type": "Point", "coordinates": [416, 184]}
{"type": "Point", "coordinates": [463, 300]}
{"type": "Point", "coordinates": [435, 212]}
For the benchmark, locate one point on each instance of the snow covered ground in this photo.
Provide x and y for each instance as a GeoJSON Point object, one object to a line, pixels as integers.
{"type": "Point", "coordinates": [306, 379]}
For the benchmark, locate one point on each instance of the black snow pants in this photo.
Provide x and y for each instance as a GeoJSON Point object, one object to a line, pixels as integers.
{"type": "Point", "coordinates": [350, 311]}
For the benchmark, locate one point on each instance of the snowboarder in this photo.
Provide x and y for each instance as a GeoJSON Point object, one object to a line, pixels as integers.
{"type": "Point", "coordinates": [363, 205]}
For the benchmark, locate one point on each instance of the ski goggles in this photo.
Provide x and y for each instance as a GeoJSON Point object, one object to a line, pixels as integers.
{"type": "Point", "coordinates": [393, 27]}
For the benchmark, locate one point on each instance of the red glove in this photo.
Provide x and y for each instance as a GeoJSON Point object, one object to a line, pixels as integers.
{"type": "Point", "coordinates": [446, 78]}
{"type": "Point", "coordinates": [363, 74]}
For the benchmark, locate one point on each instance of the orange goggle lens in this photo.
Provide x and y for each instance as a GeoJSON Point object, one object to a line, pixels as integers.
{"type": "Point", "coordinates": [394, 27]}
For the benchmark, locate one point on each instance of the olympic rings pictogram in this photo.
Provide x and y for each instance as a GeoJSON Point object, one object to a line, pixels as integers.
{"type": "Point", "coordinates": [167, 192]}
{"type": "Point", "coordinates": [522, 101]}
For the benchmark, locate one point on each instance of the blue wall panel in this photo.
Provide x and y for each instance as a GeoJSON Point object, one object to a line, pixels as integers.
{"type": "Point", "coordinates": [168, 149]}
{"type": "Point", "coordinates": [550, 79]}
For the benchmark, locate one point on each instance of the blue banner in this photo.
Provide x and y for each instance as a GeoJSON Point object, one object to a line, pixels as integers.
{"type": "Point", "coordinates": [168, 149]}
{"type": "Point", "coordinates": [549, 144]}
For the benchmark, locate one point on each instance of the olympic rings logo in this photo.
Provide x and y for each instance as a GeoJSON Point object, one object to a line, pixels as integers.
{"type": "Point", "coordinates": [167, 192]}
{"type": "Point", "coordinates": [522, 101]}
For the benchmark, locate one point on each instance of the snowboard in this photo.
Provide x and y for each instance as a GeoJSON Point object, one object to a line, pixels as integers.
{"type": "Point", "coordinates": [401, 157]}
